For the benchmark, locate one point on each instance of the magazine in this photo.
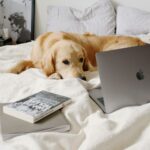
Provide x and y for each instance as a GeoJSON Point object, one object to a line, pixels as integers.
{"type": "Point", "coordinates": [36, 107]}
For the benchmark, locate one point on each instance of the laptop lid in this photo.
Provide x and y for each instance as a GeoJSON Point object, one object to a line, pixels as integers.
{"type": "Point", "coordinates": [125, 77]}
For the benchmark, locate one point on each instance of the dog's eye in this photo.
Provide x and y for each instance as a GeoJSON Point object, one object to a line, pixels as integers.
{"type": "Point", "coordinates": [66, 62]}
{"type": "Point", "coordinates": [81, 60]}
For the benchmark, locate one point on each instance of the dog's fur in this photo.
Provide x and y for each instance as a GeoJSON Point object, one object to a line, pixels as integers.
{"type": "Point", "coordinates": [69, 55]}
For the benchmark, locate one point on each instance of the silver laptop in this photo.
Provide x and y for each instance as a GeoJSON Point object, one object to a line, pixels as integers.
{"type": "Point", "coordinates": [125, 78]}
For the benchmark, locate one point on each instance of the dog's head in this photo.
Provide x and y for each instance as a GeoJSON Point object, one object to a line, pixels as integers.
{"type": "Point", "coordinates": [67, 58]}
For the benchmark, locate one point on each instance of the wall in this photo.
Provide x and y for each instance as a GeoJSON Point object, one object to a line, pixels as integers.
{"type": "Point", "coordinates": [41, 9]}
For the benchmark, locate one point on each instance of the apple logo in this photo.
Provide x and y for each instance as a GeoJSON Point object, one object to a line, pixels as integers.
{"type": "Point", "coordinates": [140, 75]}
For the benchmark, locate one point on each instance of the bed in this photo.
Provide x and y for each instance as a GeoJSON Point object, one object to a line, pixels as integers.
{"type": "Point", "coordinates": [91, 129]}
{"type": "Point", "coordinates": [127, 128]}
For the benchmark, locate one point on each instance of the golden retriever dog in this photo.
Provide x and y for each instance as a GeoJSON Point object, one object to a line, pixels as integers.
{"type": "Point", "coordinates": [64, 55]}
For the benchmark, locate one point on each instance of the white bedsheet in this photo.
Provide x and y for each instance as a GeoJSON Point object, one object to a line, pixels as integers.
{"type": "Point", "coordinates": [127, 128]}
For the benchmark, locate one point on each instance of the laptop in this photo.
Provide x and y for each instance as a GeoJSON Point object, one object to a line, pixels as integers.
{"type": "Point", "coordinates": [125, 78]}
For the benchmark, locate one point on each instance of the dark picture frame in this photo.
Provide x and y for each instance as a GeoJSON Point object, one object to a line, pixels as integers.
{"type": "Point", "coordinates": [18, 17]}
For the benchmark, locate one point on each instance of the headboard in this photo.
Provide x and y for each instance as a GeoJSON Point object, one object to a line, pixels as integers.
{"type": "Point", "coordinates": [41, 9]}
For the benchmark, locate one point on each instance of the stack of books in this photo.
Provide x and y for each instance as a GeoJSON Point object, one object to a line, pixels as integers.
{"type": "Point", "coordinates": [37, 113]}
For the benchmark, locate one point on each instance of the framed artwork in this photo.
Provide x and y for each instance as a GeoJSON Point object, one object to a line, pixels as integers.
{"type": "Point", "coordinates": [17, 19]}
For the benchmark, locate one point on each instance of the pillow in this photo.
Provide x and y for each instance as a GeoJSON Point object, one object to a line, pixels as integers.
{"type": "Point", "coordinates": [98, 19]}
{"type": "Point", "coordinates": [132, 21]}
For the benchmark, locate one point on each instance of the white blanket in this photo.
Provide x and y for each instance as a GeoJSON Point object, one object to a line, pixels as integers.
{"type": "Point", "coordinates": [127, 128]}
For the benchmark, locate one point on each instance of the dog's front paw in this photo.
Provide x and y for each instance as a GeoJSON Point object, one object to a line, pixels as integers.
{"type": "Point", "coordinates": [55, 76]}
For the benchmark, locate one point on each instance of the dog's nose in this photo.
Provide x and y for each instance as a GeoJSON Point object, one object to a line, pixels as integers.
{"type": "Point", "coordinates": [83, 78]}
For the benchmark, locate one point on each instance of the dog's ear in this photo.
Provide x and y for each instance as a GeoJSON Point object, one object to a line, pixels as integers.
{"type": "Point", "coordinates": [48, 63]}
{"type": "Point", "coordinates": [87, 66]}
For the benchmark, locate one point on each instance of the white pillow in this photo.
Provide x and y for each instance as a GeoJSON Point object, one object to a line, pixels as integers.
{"type": "Point", "coordinates": [132, 21]}
{"type": "Point", "coordinates": [98, 19]}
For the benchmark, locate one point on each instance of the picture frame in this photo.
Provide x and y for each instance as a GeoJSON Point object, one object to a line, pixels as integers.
{"type": "Point", "coordinates": [17, 17]}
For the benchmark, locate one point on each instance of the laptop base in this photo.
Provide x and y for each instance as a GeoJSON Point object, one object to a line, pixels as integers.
{"type": "Point", "coordinates": [97, 96]}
